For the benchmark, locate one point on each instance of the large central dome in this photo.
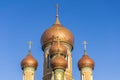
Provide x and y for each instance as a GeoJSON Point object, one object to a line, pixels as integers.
{"type": "Point", "coordinates": [55, 31]}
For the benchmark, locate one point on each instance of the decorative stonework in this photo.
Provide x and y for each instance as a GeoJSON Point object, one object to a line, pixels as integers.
{"type": "Point", "coordinates": [59, 74]}
{"type": "Point", "coordinates": [86, 73]}
{"type": "Point", "coordinates": [48, 71]}
{"type": "Point", "coordinates": [29, 73]}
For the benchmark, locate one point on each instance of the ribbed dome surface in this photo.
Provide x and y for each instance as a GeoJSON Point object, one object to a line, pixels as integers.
{"type": "Point", "coordinates": [86, 61]}
{"type": "Point", "coordinates": [57, 30]}
{"type": "Point", "coordinates": [29, 61]}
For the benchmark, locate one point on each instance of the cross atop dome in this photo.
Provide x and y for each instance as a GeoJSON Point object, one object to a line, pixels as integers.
{"type": "Point", "coordinates": [85, 45]}
{"type": "Point", "coordinates": [57, 7]}
{"type": "Point", "coordinates": [57, 30]}
{"type": "Point", "coordinates": [30, 46]}
{"type": "Point", "coordinates": [57, 19]}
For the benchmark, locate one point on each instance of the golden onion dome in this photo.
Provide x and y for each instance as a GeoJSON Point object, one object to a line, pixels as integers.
{"type": "Point", "coordinates": [86, 61]}
{"type": "Point", "coordinates": [29, 61]}
{"type": "Point", "coordinates": [57, 30]}
{"type": "Point", "coordinates": [58, 48]}
{"type": "Point", "coordinates": [59, 63]}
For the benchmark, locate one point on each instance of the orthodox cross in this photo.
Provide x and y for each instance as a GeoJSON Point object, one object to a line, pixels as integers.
{"type": "Point", "coordinates": [57, 9]}
{"type": "Point", "coordinates": [30, 46]}
{"type": "Point", "coordinates": [85, 44]}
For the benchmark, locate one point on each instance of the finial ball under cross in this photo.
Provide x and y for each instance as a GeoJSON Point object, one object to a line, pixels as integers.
{"type": "Point", "coordinates": [85, 44]}
{"type": "Point", "coordinates": [30, 45]}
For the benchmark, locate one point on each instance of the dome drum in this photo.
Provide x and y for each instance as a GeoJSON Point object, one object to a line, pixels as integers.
{"type": "Point", "coordinates": [51, 42]}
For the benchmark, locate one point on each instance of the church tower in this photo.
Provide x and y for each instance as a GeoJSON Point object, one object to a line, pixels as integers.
{"type": "Point", "coordinates": [86, 65]}
{"type": "Point", "coordinates": [48, 39]}
{"type": "Point", "coordinates": [58, 53]}
{"type": "Point", "coordinates": [29, 65]}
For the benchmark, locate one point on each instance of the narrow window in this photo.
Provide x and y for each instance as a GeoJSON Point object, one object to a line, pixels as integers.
{"type": "Point", "coordinates": [48, 61]}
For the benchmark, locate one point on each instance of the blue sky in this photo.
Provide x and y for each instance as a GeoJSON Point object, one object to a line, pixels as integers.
{"type": "Point", "coordinates": [97, 21]}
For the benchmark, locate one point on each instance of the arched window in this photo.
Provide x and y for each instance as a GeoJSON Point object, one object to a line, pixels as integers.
{"type": "Point", "coordinates": [48, 61]}
{"type": "Point", "coordinates": [67, 60]}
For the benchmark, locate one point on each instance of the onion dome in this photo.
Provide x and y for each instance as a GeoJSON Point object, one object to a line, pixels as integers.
{"type": "Point", "coordinates": [58, 48]}
{"type": "Point", "coordinates": [86, 61]}
{"type": "Point", "coordinates": [57, 30]}
{"type": "Point", "coordinates": [58, 63]}
{"type": "Point", "coordinates": [29, 61]}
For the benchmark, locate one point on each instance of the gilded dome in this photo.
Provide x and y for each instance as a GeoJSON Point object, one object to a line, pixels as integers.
{"type": "Point", "coordinates": [29, 61]}
{"type": "Point", "coordinates": [57, 30]}
{"type": "Point", "coordinates": [86, 61]}
{"type": "Point", "coordinates": [58, 48]}
{"type": "Point", "coordinates": [58, 63]}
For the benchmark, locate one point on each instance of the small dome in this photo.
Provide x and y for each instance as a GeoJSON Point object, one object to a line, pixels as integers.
{"type": "Point", "coordinates": [86, 61]}
{"type": "Point", "coordinates": [29, 61]}
{"type": "Point", "coordinates": [57, 30]}
{"type": "Point", "coordinates": [58, 48]}
{"type": "Point", "coordinates": [58, 63]}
